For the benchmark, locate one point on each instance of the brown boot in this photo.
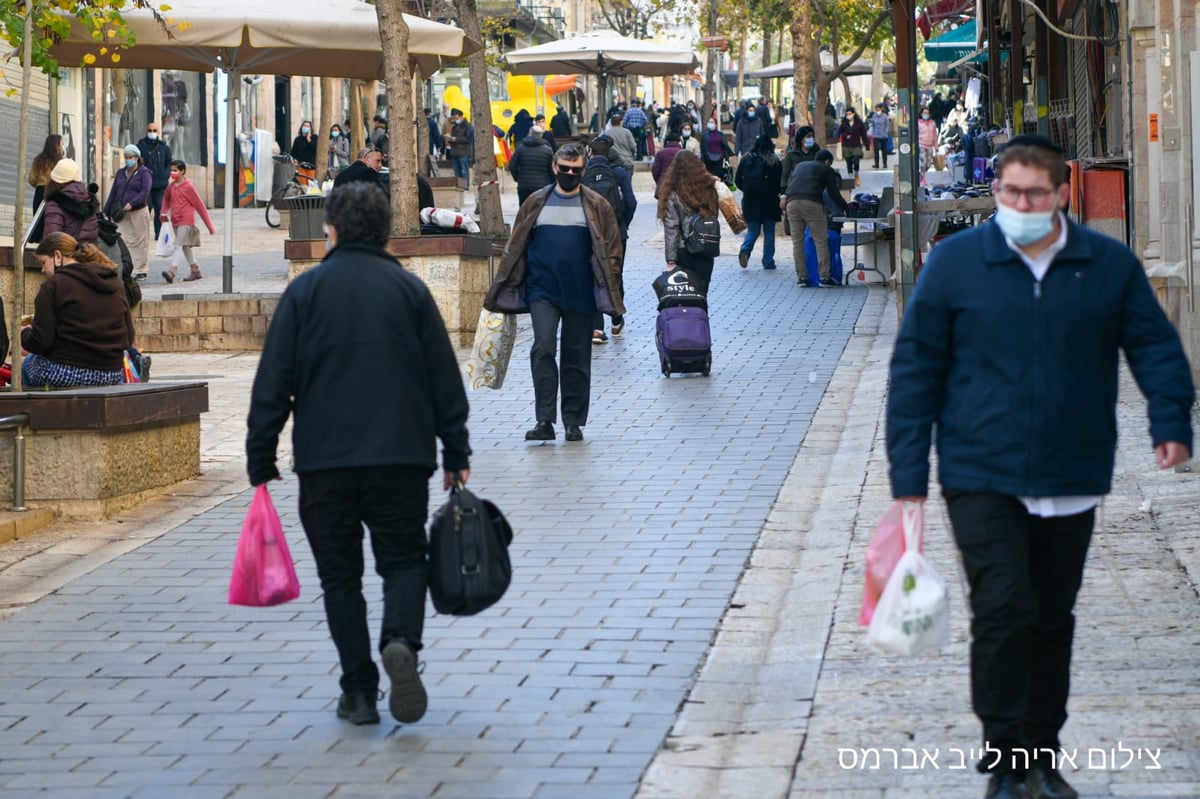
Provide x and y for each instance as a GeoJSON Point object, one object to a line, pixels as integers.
{"type": "Point", "coordinates": [195, 275]}
{"type": "Point", "coordinates": [857, 182]}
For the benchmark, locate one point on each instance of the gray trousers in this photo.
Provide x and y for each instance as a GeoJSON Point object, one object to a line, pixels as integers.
{"type": "Point", "coordinates": [575, 373]}
{"type": "Point", "coordinates": [802, 214]}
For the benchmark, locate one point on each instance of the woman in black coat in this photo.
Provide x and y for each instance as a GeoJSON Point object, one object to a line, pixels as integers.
{"type": "Point", "coordinates": [758, 176]}
{"type": "Point", "coordinates": [304, 146]}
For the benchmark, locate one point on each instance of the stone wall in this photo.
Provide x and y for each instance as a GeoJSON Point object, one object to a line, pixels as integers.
{"type": "Point", "coordinates": [204, 323]}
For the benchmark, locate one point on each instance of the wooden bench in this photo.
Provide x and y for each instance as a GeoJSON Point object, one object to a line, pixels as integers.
{"type": "Point", "coordinates": [93, 452]}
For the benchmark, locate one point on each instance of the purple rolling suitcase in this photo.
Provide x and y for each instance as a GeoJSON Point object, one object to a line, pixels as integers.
{"type": "Point", "coordinates": [684, 340]}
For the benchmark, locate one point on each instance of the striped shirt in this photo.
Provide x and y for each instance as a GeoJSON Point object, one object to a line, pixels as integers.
{"type": "Point", "coordinates": [559, 256]}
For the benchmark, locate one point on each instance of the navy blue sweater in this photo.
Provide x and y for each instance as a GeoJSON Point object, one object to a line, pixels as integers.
{"type": "Point", "coordinates": [1020, 377]}
{"type": "Point", "coordinates": [358, 352]}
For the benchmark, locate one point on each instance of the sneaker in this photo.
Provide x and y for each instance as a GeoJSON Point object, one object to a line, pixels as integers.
{"type": "Point", "coordinates": [141, 275]}
{"type": "Point", "coordinates": [618, 328]}
{"type": "Point", "coordinates": [828, 281]}
{"type": "Point", "coordinates": [357, 708]}
{"type": "Point", "coordinates": [407, 699]}
{"type": "Point", "coordinates": [743, 258]}
{"type": "Point", "coordinates": [598, 337]}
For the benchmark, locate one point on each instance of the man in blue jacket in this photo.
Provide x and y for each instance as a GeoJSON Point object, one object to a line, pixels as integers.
{"type": "Point", "coordinates": [359, 354]}
{"type": "Point", "coordinates": [1010, 347]}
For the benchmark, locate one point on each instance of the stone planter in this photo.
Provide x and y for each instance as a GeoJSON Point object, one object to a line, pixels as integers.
{"type": "Point", "coordinates": [457, 269]}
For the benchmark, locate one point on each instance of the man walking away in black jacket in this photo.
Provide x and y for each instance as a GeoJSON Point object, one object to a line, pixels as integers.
{"type": "Point", "coordinates": [804, 202]}
{"type": "Point", "coordinates": [358, 352]}
{"type": "Point", "coordinates": [532, 164]}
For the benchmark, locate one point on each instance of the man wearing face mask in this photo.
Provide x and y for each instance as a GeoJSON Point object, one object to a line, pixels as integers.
{"type": "Point", "coordinates": [1010, 348]}
{"type": "Point", "coordinates": [156, 155]}
{"type": "Point", "coordinates": [747, 130]}
{"type": "Point", "coordinates": [461, 141]}
{"type": "Point", "coordinates": [562, 264]}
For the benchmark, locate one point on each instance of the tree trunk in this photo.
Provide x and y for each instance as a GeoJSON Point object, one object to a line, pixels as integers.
{"type": "Point", "coordinates": [491, 217]}
{"type": "Point", "coordinates": [326, 121]}
{"type": "Point", "coordinates": [802, 65]}
{"type": "Point", "coordinates": [17, 309]}
{"type": "Point", "coordinates": [711, 65]}
{"type": "Point", "coordinates": [358, 137]}
{"type": "Point", "coordinates": [402, 155]}
{"type": "Point", "coordinates": [877, 88]}
{"type": "Point", "coordinates": [742, 37]}
{"type": "Point", "coordinates": [764, 84]}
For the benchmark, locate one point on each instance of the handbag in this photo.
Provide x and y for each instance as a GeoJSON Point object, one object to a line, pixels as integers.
{"type": "Point", "coordinates": [263, 573]}
{"type": "Point", "coordinates": [469, 567]}
{"type": "Point", "coordinates": [116, 214]}
{"type": "Point", "coordinates": [495, 335]}
{"type": "Point", "coordinates": [166, 242]}
{"type": "Point", "coordinates": [729, 208]}
{"type": "Point", "coordinates": [913, 614]}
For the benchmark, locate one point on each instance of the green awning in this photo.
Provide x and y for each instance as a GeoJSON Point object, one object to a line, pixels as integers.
{"type": "Point", "coordinates": [953, 46]}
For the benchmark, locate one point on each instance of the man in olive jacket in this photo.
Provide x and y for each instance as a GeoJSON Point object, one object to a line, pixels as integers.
{"type": "Point", "coordinates": [358, 352]}
{"type": "Point", "coordinates": [562, 264]}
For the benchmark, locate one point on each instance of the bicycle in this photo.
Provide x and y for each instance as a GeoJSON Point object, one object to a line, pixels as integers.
{"type": "Point", "coordinates": [303, 175]}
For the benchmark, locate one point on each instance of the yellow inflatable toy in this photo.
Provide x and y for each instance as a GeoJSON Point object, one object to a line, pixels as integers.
{"type": "Point", "coordinates": [523, 93]}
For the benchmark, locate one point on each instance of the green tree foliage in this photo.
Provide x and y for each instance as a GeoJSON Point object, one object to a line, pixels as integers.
{"type": "Point", "coordinates": [52, 22]}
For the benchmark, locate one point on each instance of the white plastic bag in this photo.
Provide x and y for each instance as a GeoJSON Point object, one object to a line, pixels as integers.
{"type": "Point", "coordinates": [444, 217]}
{"type": "Point", "coordinates": [166, 242]}
{"type": "Point", "coordinates": [913, 614]}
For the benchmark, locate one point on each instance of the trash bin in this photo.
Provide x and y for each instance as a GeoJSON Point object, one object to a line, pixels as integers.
{"type": "Point", "coordinates": [306, 216]}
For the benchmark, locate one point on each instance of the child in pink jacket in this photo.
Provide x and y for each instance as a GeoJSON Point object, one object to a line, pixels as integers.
{"type": "Point", "coordinates": [180, 204]}
{"type": "Point", "coordinates": [926, 138]}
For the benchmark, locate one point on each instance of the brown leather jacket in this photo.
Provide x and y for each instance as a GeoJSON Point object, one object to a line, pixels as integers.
{"type": "Point", "coordinates": [507, 293]}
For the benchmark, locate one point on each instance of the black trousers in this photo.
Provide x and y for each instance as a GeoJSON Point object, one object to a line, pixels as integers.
{"type": "Point", "coordinates": [1024, 572]}
{"type": "Point", "coordinates": [700, 267]}
{"type": "Point", "coordinates": [392, 501]}
{"type": "Point", "coordinates": [880, 146]}
{"type": "Point", "coordinates": [575, 373]}
{"type": "Point", "coordinates": [155, 202]}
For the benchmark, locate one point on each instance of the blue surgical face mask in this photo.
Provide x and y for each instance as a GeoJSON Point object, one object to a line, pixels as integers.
{"type": "Point", "coordinates": [130, 163]}
{"type": "Point", "coordinates": [809, 142]}
{"type": "Point", "coordinates": [750, 114]}
{"type": "Point", "coordinates": [686, 132]}
{"type": "Point", "coordinates": [335, 134]}
{"type": "Point", "coordinates": [1024, 227]}
{"type": "Point", "coordinates": [305, 130]}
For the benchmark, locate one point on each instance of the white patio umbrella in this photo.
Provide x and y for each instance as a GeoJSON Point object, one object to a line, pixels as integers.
{"type": "Point", "coordinates": [601, 53]}
{"type": "Point", "coordinates": [786, 69]}
{"type": "Point", "coordinates": [319, 38]}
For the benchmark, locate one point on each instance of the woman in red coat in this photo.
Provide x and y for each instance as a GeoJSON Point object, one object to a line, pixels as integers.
{"type": "Point", "coordinates": [181, 203]}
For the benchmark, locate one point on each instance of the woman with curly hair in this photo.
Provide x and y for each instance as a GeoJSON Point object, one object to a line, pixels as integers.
{"type": "Point", "coordinates": [81, 324]}
{"type": "Point", "coordinates": [687, 188]}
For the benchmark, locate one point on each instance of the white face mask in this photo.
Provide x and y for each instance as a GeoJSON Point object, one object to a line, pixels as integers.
{"type": "Point", "coordinates": [152, 135]}
{"type": "Point", "coordinates": [712, 125]}
{"type": "Point", "coordinates": [687, 132]}
{"type": "Point", "coordinates": [1024, 227]}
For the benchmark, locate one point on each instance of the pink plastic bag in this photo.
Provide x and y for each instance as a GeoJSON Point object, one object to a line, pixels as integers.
{"type": "Point", "coordinates": [263, 573]}
{"type": "Point", "coordinates": [885, 549]}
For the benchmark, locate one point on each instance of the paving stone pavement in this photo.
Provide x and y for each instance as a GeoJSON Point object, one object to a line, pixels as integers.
{"type": "Point", "coordinates": [629, 546]}
{"type": "Point", "coordinates": [682, 622]}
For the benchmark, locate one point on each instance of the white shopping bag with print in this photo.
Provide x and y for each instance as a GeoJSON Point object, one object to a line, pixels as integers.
{"type": "Point", "coordinates": [913, 614]}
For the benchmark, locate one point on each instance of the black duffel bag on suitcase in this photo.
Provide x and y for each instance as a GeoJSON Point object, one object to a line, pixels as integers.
{"type": "Point", "coordinates": [469, 568]}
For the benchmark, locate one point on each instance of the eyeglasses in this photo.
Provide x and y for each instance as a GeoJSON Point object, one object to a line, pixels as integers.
{"type": "Point", "coordinates": [570, 170]}
{"type": "Point", "coordinates": [1011, 194]}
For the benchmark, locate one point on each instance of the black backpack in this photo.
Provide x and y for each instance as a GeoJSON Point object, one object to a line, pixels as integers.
{"type": "Point", "coordinates": [469, 568]}
{"type": "Point", "coordinates": [754, 176]}
{"type": "Point", "coordinates": [703, 236]}
{"type": "Point", "coordinates": [600, 177]}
